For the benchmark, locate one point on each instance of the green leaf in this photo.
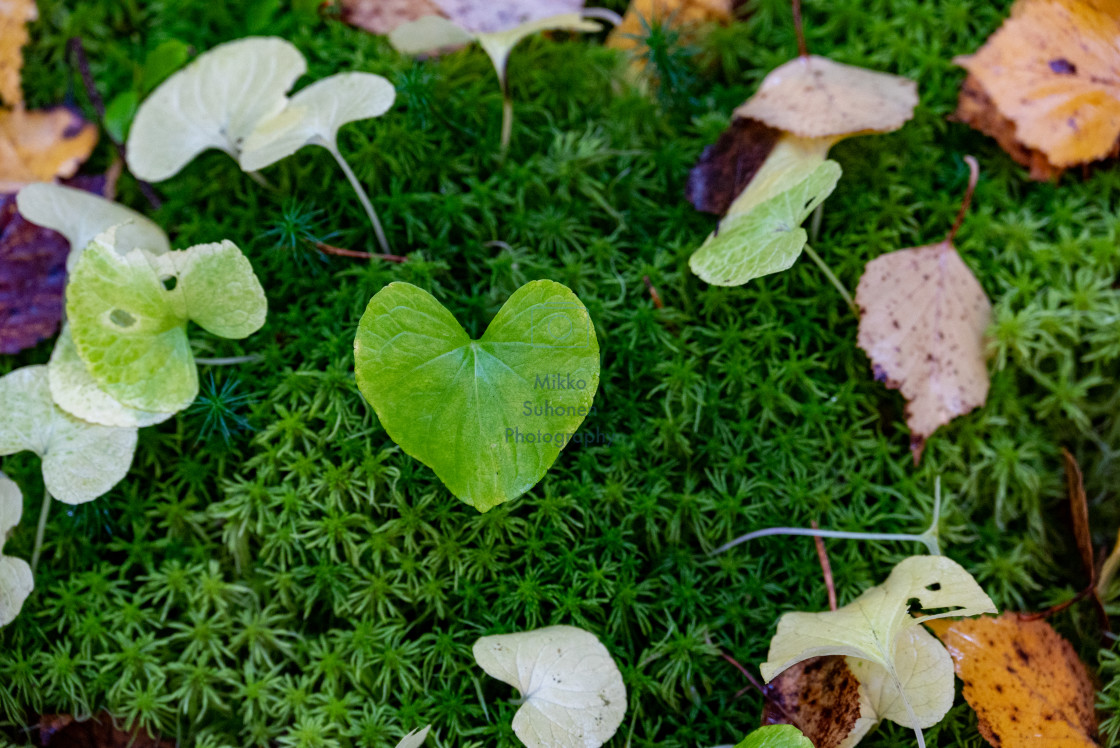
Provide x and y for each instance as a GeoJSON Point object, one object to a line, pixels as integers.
{"type": "Point", "coordinates": [119, 113]}
{"type": "Point", "coordinates": [128, 316]}
{"type": "Point", "coordinates": [776, 736]}
{"type": "Point", "coordinates": [80, 460]}
{"type": "Point", "coordinates": [161, 62]}
{"type": "Point", "coordinates": [16, 580]}
{"type": "Point", "coordinates": [768, 238]}
{"type": "Point", "coordinates": [485, 415]}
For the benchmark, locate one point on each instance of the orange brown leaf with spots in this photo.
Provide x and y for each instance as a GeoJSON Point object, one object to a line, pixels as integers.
{"type": "Point", "coordinates": [1024, 680]}
{"type": "Point", "coordinates": [819, 696]}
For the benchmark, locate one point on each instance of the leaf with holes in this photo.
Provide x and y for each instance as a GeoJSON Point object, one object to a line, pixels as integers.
{"type": "Point", "coordinates": [895, 660]}
{"type": "Point", "coordinates": [80, 460]}
{"type": "Point", "coordinates": [16, 581]}
{"type": "Point", "coordinates": [128, 315]}
{"type": "Point", "coordinates": [572, 694]}
{"type": "Point", "coordinates": [489, 416]}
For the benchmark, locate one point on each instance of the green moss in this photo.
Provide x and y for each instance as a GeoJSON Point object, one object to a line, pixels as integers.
{"type": "Point", "coordinates": [306, 584]}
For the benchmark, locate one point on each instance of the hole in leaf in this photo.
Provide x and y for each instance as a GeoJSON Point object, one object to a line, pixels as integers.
{"type": "Point", "coordinates": [121, 318]}
{"type": "Point", "coordinates": [169, 282]}
{"type": "Point", "coordinates": [934, 587]}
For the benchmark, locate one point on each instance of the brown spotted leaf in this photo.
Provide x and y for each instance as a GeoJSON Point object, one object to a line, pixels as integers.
{"type": "Point", "coordinates": [99, 731]}
{"type": "Point", "coordinates": [1024, 680]}
{"type": "Point", "coordinates": [40, 145]}
{"type": "Point", "coordinates": [476, 16]}
{"type": "Point", "coordinates": [382, 16]}
{"type": "Point", "coordinates": [820, 696]}
{"type": "Point", "coordinates": [727, 166]}
{"type": "Point", "coordinates": [922, 321]}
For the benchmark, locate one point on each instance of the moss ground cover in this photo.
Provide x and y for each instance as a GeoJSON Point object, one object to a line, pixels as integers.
{"type": "Point", "coordinates": [274, 571]}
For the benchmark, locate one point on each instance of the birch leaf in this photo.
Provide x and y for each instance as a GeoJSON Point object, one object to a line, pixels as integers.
{"type": "Point", "coordinates": [42, 144]}
{"type": "Point", "coordinates": [80, 216]}
{"type": "Point", "coordinates": [314, 115]}
{"type": "Point", "coordinates": [16, 580]}
{"type": "Point", "coordinates": [214, 102]}
{"type": "Point", "coordinates": [80, 461]}
{"type": "Point", "coordinates": [572, 692]}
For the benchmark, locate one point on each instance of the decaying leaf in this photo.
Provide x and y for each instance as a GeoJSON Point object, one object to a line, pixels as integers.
{"type": "Point", "coordinates": [40, 145]}
{"type": "Point", "coordinates": [214, 102]}
{"type": "Point", "coordinates": [80, 216]}
{"type": "Point", "coordinates": [727, 166]}
{"type": "Point", "coordinates": [1024, 680]}
{"type": "Point", "coordinates": [687, 16]}
{"type": "Point", "coordinates": [382, 16]}
{"type": "Point", "coordinates": [32, 279]}
{"type": "Point", "coordinates": [820, 696]}
{"type": "Point", "coordinates": [1051, 70]}
{"type": "Point", "coordinates": [474, 16]}
{"type": "Point", "coordinates": [776, 736]}
{"type": "Point", "coordinates": [16, 580]}
{"type": "Point", "coordinates": [885, 647]}
{"type": "Point", "coordinates": [572, 692]}
{"type": "Point", "coordinates": [98, 731]}
{"type": "Point", "coordinates": [80, 461]}
{"type": "Point", "coordinates": [14, 17]}
{"type": "Point", "coordinates": [814, 97]}
{"type": "Point", "coordinates": [976, 109]}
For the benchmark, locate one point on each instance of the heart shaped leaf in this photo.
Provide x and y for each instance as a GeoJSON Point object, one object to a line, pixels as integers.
{"type": "Point", "coordinates": [572, 692]}
{"type": "Point", "coordinates": [80, 216]}
{"type": "Point", "coordinates": [314, 115]}
{"type": "Point", "coordinates": [128, 316]}
{"type": "Point", "coordinates": [81, 460]}
{"type": "Point", "coordinates": [215, 102]}
{"type": "Point", "coordinates": [489, 416]}
{"type": "Point", "coordinates": [16, 580]}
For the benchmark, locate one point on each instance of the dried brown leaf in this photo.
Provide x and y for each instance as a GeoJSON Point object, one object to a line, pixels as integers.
{"type": "Point", "coordinates": [476, 16]}
{"type": "Point", "coordinates": [40, 145]}
{"type": "Point", "coordinates": [382, 16]}
{"type": "Point", "coordinates": [99, 731]}
{"type": "Point", "coordinates": [684, 15]}
{"type": "Point", "coordinates": [819, 696]}
{"type": "Point", "coordinates": [726, 167]}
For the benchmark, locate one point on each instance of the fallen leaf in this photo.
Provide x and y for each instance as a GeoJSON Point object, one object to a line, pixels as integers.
{"type": "Point", "coordinates": [1109, 568]}
{"type": "Point", "coordinates": [1025, 681]}
{"type": "Point", "coordinates": [32, 279]}
{"type": "Point", "coordinates": [727, 166]}
{"type": "Point", "coordinates": [1079, 509]}
{"type": "Point", "coordinates": [686, 16]}
{"type": "Point", "coordinates": [1051, 69]}
{"type": "Point", "coordinates": [776, 736]}
{"type": "Point", "coordinates": [14, 17]}
{"type": "Point", "coordinates": [98, 731]}
{"type": "Point", "coordinates": [16, 580]}
{"type": "Point", "coordinates": [820, 696]}
{"type": "Point", "coordinates": [893, 658]}
{"type": "Point", "coordinates": [40, 145]}
{"type": "Point", "coordinates": [814, 97]}
{"type": "Point", "coordinates": [572, 692]}
{"type": "Point", "coordinates": [922, 320]}
{"type": "Point", "coordinates": [382, 16]}
{"type": "Point", "coordinates": [80, 461]}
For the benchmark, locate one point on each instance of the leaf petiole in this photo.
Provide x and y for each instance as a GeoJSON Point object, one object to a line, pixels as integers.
{"type": "Point", "coordinates": [362, 197]}
{"type": "Point", "coordinates": [816, 258]}
{"type": "Point", "coordinates": [41, 530]}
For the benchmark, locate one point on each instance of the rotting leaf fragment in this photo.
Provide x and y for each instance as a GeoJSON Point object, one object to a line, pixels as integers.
{"type": "Point", "coordinates": [820, 696]}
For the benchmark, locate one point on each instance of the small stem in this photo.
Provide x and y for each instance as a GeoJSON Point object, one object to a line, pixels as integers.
{"type": "Point", "coordinates": [330, 249]}
{"type": "Point", "coordinates": [973, 176]}
{"type": "Point", "coordinates": [826, 567]}
{"type": "Point", "coordinates": [766, 532]}
{"type": "Point", "coordinates": [229, 360]}
{"type": "Point", "coordinates": [815, 224]}
{"type": "Point", "coordinates": [259, 178]}
{"type": "Point", "coordinates": [832, 279]}
{"type": "Point", "coordinates": [362, 197]}
{"type": "Point", "coordinates": [802, 48]}
{"type": "Point", "coordinates": [42, 529]}
{"type": "Point", "coordinates": [507, 120]}
{"type": "Point", "coordinates": [653, 292]}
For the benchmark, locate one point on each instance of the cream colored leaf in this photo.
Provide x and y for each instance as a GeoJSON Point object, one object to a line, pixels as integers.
{"type": "Point", "coordinates": [572, 692]}
{"type": "Point", "coordinates": [314, 116]}
{"type": "Point", "coordinates": [80, 216]}
{"type": "Point", "coordinates": [16, 581]}
{"type": "Point", "coordinates": [922, 320]}
{"type": "Point", "coordinates": [415, 739]}
{"type": "Point", "coordinates": [814, 97]}
{"type": "Point", "coordinates": [428, 34]}
{"type": "Point", "coordinates": [500, 44]}
{"type": "Point", "coordinates": [76, 391]}
{"type": "Point", "coordinates": [80, 461]}
{"type": "Point", "coordinates": [791, 161]}
{"type": "Point", "coordinates": [215, 102]}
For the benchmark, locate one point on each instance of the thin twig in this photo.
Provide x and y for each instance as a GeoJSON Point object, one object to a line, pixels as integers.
{"type": "Point", "coordinates": [229, 360]}
{"type": "Point", "coordinates": [82, 62]}
{"type": "Point", "coordinates": [832, 279]}
{"type": "Point", "coordinates": [653, 293]}
{"type": "Point", "coordinates": [330, 249]}
{"type": "Point", "coordinates": [973, 176]}
{"type": "Point", "coordinates": [363, 198]}
{"type": "Point", "coordinates": [41, 530]}
{"type": "Point", "coordinates": [802, 48]}
{"type": "Point", "coordinates": [826, 567]}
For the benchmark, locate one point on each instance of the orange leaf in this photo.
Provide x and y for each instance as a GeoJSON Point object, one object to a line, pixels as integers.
{"type": "Point", "coordinates": [14, 17]}
{"type": "Point", "coordinates": [819, 696]}
{"type": "Point", "coordinates": [679, 14]}
{"type": "Point", "coordinates": [1051, 69]}
{"type": "Point", "coordinates": [37, 146]}
{"type": "Point", "coordinates": [1025, 681]}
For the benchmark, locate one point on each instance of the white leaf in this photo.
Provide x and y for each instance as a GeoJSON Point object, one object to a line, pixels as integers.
{"type": "Point", "coordinates": [314, 116]}
{"type": "Point", "coordinates": [428, 34]}
{"type": "Point", "coordinates": [573, 694]}
{"type": "Point", "coordinates": [415, 739]}
{"type": "Point", "coordinates": [80, 460]}
{"type": "Point", "coordinates": [925, 670]}
{"type": "Point", "coordinates": [16, 581]}
{"type": "Point", "coordinates": [215, 102]}
{"type": "Point", "coordinates": [80, 216]}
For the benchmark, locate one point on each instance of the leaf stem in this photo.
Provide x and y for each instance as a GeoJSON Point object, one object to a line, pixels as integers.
{"type": "Point", "coordinates": [826, 567]}
{"type": "Point", "coordinates": [41, 530]}
{"type": "Point", "coordinates": [973, 176]}
{"type": "Point", "coordinates": [362, 197]}
{"type": "Point", "coordinates": [330, 249]}
{"type": "Point", "coordinates": [228, 360]}
{"type": "Point", "coordinates": [507, 120]}
{"type": "Point", "coordinates": [798, 27]}
{"type": "Point", "coordinates": [832, 279]}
